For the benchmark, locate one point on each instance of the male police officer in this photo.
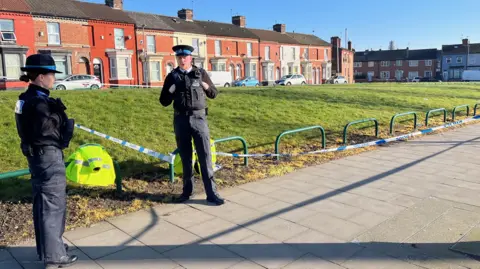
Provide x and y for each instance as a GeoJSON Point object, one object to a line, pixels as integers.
{"type": "Point", "coordinates": [187, 86]}
{"type": "Point", "coordinates": [45, 130]}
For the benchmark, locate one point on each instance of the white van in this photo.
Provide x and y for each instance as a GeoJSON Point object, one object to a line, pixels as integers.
{"type": "Point", "coordinates": [220, 78]}
{"type": "Point", "coordinates": [471, 75]}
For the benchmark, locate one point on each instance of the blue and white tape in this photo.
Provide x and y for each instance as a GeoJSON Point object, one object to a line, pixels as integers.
{"type": "Point", "coordinates": [170, 158]}
{"type": "Point", "coordinates": [356, 146]}
{"type": "Point", "coordinates": [166, 158]}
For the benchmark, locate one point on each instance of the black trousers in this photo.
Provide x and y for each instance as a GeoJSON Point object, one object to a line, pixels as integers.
{"type": "Point", "coordinates": [195, 126]}
{"type": "Point", "coordinates": [49, 202]}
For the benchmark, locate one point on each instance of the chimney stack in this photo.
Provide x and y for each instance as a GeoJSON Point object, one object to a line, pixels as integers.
{"type": "Point", "coordinates": [239, 21]}
{"type": "Point", "coordinates": [465, 41]}
{"type": "Point", "coordinates": [335, 40]}
{"type": "Point", "coordinates": [349, 45]}
{"type": "Point", "coordinates": [185, 14]}
{"type": "Point", "coordinates": [281, 28]}
{"type": "Point", "coordinates": [115, 4]}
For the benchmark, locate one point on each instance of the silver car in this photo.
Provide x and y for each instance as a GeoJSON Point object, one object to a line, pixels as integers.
{"type": "Point", "coordinates": [78, 82]}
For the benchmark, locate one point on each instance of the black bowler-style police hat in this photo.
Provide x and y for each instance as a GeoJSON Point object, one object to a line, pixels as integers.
{"type": "Point", "coordinates": [40, 62]}
{"type": "Point", "coordinates": [183, 50]}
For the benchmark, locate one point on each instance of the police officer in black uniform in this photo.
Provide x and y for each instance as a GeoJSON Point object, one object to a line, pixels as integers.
{"type": "Point", "coordinates": [187, 86]}
{"type": "Point", "coordinates": [45, 130]}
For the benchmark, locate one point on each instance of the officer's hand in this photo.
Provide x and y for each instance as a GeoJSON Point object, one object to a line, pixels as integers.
{"type": "Point", "coordinates": [205, 85]}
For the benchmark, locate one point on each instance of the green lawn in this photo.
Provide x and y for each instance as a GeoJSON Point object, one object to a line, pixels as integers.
{"type": "Point", "coordinates": [257, 114]}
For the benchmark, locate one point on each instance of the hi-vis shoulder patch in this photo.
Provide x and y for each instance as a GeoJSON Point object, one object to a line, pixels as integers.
{"type": "Point", "coordinates": [19, 106]}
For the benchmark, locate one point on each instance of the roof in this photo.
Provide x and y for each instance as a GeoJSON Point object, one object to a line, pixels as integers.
{"type": "Point", "coordinates": [225, 29]}
{"type": "Point", "coordinates": [58, 8]}
{"type": "Point", "coordinates": [151, 21]}
{"type": "Point", "coordinates": [183, 26]}
{"type": "Point", "coordinates": [268, 35]}
{"type": "Point", "coordinates": [461, 49]}
{"type": "Point", "coordinates": [392, 55]}
{"type": "Point", "coordinates": [307, 39]}
{"type": "Point", "coordinates": [101, 12]}
{"type": "Point", "coordinates": [16, 5]}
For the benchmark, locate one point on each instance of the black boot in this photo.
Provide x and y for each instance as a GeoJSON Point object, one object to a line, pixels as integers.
{"type": "Point", "coordinates": [65, 261]}
{"type": "Point", "coordinates": [181, 199]}
{"type": "Point", "coordinates": [216, 200]}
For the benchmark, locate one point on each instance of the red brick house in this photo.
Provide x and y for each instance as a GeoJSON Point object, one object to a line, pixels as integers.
{"type": "Point", "coordinates": [395, 65]}
{"type": "Point", "coordinates": [154, 48]}
{"type": "Point", "coordinates": [61, 29]}
{"type": "Point", "coordinates": [231, 47]}
{"type": "Point", "coordinates": [16, 41]}
{"type": "Point", "coordinates": [342, 59]}
{"type": "Point", "coordinates": [112, 39]}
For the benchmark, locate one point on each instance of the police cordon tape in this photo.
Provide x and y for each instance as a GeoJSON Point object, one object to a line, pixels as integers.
{"type": "Point", "coordinates": [170, 158]}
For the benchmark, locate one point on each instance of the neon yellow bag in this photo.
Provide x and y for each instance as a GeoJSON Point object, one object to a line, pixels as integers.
{"type": "Point", "coordinates": [91, 165]}
{"type": "Point", "coordinates": [178, 166]}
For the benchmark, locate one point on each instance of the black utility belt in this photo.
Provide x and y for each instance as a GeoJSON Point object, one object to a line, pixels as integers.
{"type": "Point", "coordinates": [37, 150]}
{"type": "Point", "coordinates": [200, 112]}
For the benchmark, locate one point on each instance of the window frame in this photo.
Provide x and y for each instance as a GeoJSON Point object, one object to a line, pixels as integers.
{"type": "Point", "coordinates": [54, 34]}
{"type": "Point", "coordinates": [149, 45]}
{"type": "Point", "coordinates": [117, 38]}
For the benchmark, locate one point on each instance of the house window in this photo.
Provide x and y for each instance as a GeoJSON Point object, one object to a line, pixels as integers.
{"type": "Point", "coordinates": [293, 54]}
{"type": "Point", "coordinates": [251, 70]}
{"type": "Point", "coordinates": [267, 53]}
{"type": "Point", "coordinates": [399, 63]}
{"type": "Point", "coordinates": [385, 74]}
{"type": "Point", "coordinates": [459, 60]}
{"type": "Point", "coordinates": [120, 68]}
{"type": "Point", "coordinates": [238, 71]}
{"type": "Point", "coordinates": [119, 38]}
{"type": "Point", "coordinates": [12, 66]}
{"type": "Point", "coordinates": [412, 75]}
{"type": "Point", "coordinates": [305, 55]}
{"type": "Point", "coordinates": [169, 68]}
{"type": "Point", "coordinates": [371, 64]}
{"type": "Point", "coordinates": [62, 65]}
{"type": "Point", "coordinates": [155, 74]}
{"type": "Point", "coordinates": [7, 30]}
{"type": "Point", "coordinates": [428, 62]}
{"type": "Point", "coordinates": [471, 61]}
{"type": "Point", "coordinates": [413, 63]}
{"type": "Point", "coordinates": [151, 44]}
{"type": "Point", "coordinates": [325, 54]}
{"type": "Point", "coordinates": [219, 67]}
{"type": "Point", "coordinates": [448, 60]}
{"type": "Point", "coordinates": [195, 45]}
{"type": "Point", "coordinates": [218, 47]}
{"type": "Point", "coordinates": [385, 63]}
{"type": "Point", "coordinates": [249, 49]}
{"type": "Point", "coordinates": [357, 64]}
{"type": "Point", "coordinates": [428, 74]}
{"type": "Point", "coordinates": [53, 30]}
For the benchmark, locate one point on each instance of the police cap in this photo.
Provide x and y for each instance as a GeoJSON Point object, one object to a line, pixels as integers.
{"type": "Point", "coordinates": [183, 50]}
{"type": "Point", "coordinates": [43, 63]}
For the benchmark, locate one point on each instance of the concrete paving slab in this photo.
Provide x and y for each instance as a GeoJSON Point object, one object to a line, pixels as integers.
{"type": "Point", "coordinates": [214, 228]}
{"type": "Point", "coordinates": [188, 217]}
{"type": "Point", "coordinates": [290, 196]}
{"type": "Point", "coordinates": [10, 264]}
{"type": "Point", "coordinates": [277, 228]}
{"type": "Point", "coordinates": [367, 218]}
{"type": "Point", "coordinates": [311, 262]}
{"type": "Point", "coordinates": [88, 231]}
{"type": "Point", "coordinates": [339, 228]}
{"type": "Point", "coordinates": [259, 188]}
{"type": "Point", "coordinates": [367, 259]}
{"type": "Point", "coordinates": [138, 258]}
{"type": "Point", "coordinates": [234, 213]}
{"type": "Point", "coordinates": [250, 199]}
{"type": "Point", "coordinates": [470, 243]}
{"type": "Point", "coordinates": [294, 215]}
{"type": "Point", "coordinates": [5, 255]}
{"type": "Point", "coordinates": [333, 208]}
{"type": "Point", "coordinates": [374, 193]}
{"type": "Point", "coordinates": [246, 265]}
{"type": "Point", "coordinates": [84, 262]}
{"type": "Point", "coordinates": [324, 246]}
{"type": "Point", "coordinates": [208, 256]}
{"type": "Point", "coordinates": [266, 252]}
{"type": "Point", "coordinates": [374, 205]}
{"type": "Point", "coordinates": [405, 200]}
{"type": "Point", "coordinates": [407, 189]}
{"type": "Point", "coordinates": [142, 219]}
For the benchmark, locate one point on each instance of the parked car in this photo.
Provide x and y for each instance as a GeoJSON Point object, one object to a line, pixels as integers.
{"type": "Point", "coordinates": [338, 80]}
{"type": "Point", "coordinates": [471, 75]}
{"type": "Point", "coordinates": [292, 80]}
{"type": "Point", "coordinates": [247, 81]}
{"type": "Point", "coordinates": [75, 82]}
{"type": "Point", "coordinates": [220, 78]}
{"type": "Point", "coordinates": [416, 79]}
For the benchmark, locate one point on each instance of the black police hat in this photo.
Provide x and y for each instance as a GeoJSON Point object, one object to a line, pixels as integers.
{"type": "Point", "coordinates": [183, 50]}
{"type": "Point", "coordinates": [40, 62]}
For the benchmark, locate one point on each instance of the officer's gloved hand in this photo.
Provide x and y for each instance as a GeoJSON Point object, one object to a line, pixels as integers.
{"type": "Point", "coordinates": [205, 85]}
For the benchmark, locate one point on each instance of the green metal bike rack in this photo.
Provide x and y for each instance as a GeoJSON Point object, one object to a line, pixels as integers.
{"type": "Point", "coordinates": [457, 107]}
{"type": "Point", "coordinates": [475, 109]}
{"type": "Point", "coordinates": [26, 172]}
{"type": "Point", "coordinates": [357, 122]}
{"type": "Point", "coordinates": [277, 141]}
{"type": "Point", "coordinates": [436, 110]}
{"type": "Point", "coordinates": [226, 139]}
{"type": "Point", "coordinates": [392, 122]}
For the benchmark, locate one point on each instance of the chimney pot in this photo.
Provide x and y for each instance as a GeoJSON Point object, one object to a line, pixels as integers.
{"type": "Point", "coordinates": [239, 21]}
{"type": "Point", "coordinates": [465, 41]}
{"type": "Point", "coordinates": [115, 4]}
{"type": "Point", "coordinates": [185, 14]}
{"type": "Point", "coordinates": [349, 45]}
{"type": "Point", "coordinates": [281, 28]}
{"type": "Point", "coordinates": [335, 41]}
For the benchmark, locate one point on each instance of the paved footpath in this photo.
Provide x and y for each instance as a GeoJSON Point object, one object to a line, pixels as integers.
{"type": "Point", "coordinates": [410, 205]}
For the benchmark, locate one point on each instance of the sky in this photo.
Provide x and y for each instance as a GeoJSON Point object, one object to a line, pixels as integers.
{"type": "Point", "coordinates": [370, 24]}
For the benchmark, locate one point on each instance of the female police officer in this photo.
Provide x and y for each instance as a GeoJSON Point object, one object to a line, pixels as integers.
{"type": "Point", "coordinates": [44, 131]}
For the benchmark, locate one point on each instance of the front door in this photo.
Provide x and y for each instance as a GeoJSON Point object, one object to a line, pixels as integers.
{"type": "Point", "coordinates": [97, 71]}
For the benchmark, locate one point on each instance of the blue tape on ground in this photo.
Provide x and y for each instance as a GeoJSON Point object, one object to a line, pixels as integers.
{"type": "Point", "coordinates": [426, 131]}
